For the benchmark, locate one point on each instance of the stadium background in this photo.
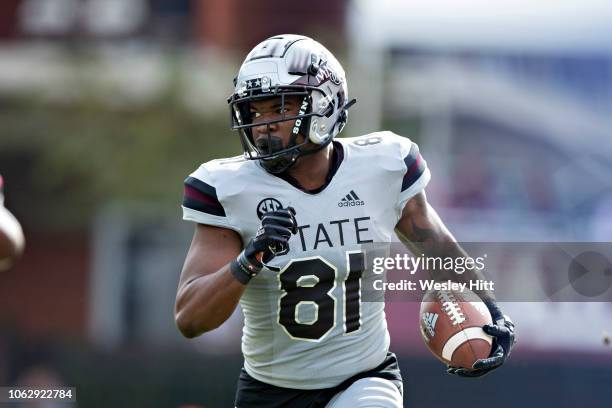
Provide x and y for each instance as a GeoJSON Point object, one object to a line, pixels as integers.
{"type": "Point", "coordinates": [106, 105]}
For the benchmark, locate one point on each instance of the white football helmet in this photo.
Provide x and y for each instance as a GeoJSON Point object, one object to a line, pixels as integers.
{"type": "Point", "coordinates": [293, 65]}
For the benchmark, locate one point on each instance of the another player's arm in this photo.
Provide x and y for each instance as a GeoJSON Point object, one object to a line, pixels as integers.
{"type": "Point", "coordinates": [12, 240]}
{"type": "Point", "coordinates": [208, 292]}
{"type": "Point", "coordinates": [423, 232]}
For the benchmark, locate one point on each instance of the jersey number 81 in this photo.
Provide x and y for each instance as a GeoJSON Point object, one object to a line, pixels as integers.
{"type": "Point", "coordinates": [313, 280]}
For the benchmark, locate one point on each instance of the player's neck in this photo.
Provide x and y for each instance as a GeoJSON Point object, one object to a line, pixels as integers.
{"type": "Point", "coordinates": [311, 171]}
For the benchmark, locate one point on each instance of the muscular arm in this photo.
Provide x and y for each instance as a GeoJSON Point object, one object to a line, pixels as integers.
{"type": "Point", "coordinates": [423, 232]}
{"type": "Point", "coordinates": [208, 293]}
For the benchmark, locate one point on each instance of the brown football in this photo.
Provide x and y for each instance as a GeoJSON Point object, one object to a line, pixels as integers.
{"type": "Point", "coordinates": [451, 324]}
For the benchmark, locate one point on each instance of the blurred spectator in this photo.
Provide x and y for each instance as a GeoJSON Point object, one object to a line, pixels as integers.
{"type": "Point", "coordinates": [97, 17]}
{"type": "Point", "coordinates": [48, 17]}
{"type": "Point", "coordinates": [114, 17]}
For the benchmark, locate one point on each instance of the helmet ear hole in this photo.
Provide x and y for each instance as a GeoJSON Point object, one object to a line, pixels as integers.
{"type": "Point", "coordinates": [318, 134]}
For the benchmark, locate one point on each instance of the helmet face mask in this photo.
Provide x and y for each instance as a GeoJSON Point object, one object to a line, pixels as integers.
{"type": "Point", "coordinates": [282, 67]}
{"type": "Point", "coordinates": [273, 155]}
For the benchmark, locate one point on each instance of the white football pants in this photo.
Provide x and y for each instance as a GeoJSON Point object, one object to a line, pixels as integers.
{"type": "Point", "coordinates": [371, 392]}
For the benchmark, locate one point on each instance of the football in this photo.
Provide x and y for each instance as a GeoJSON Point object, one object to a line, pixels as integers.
{"type": "Point", "coordinates": [451, 324]}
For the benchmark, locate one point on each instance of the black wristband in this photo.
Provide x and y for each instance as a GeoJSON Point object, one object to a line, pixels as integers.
{"type": "Point", "coordinates": [243, 270]}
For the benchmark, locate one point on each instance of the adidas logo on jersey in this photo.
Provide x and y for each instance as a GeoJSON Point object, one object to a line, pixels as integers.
{"type": "Point", "coordinates": [350, 200]}
{"type": "Point", "coordinates": [429, 320]}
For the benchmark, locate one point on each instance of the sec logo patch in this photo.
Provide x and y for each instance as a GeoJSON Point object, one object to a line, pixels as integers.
{"type": "Point", "coordinates": [266, 205]}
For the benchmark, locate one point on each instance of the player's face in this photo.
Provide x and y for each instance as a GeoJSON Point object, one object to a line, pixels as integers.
{"type": "Point", "coordinates": [278, 134]}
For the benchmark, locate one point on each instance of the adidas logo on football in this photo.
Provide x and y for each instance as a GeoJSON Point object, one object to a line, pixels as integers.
{"type": "Point", "coordinates": [430, 319]}
{"type": "Point", "coordinates": [350, 200]}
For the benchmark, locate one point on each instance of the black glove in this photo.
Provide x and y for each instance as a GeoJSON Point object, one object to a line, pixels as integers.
{"type": "Point", "coordinates": [504, 339]}
{"type": "Point", "coordinates": [271, 239]}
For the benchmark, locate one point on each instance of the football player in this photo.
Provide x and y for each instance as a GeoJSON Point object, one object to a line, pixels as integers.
{"type": "Point", "coordinates": [11, 235]}
{"type": "Point", "coordinates": [281, 228]}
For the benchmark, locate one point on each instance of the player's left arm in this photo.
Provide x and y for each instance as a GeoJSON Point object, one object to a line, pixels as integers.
{"type": "Point", "coordinates": [423, 232]}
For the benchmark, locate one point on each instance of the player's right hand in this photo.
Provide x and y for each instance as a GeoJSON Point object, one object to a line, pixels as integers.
{"type": "Point", "coordinates": [271, 239]}
{"type": "Point", "coordinates": [273, 235]}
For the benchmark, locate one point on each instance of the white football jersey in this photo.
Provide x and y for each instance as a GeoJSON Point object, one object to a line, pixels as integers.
{"type": "Point", "coordinates": [306, 327]}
